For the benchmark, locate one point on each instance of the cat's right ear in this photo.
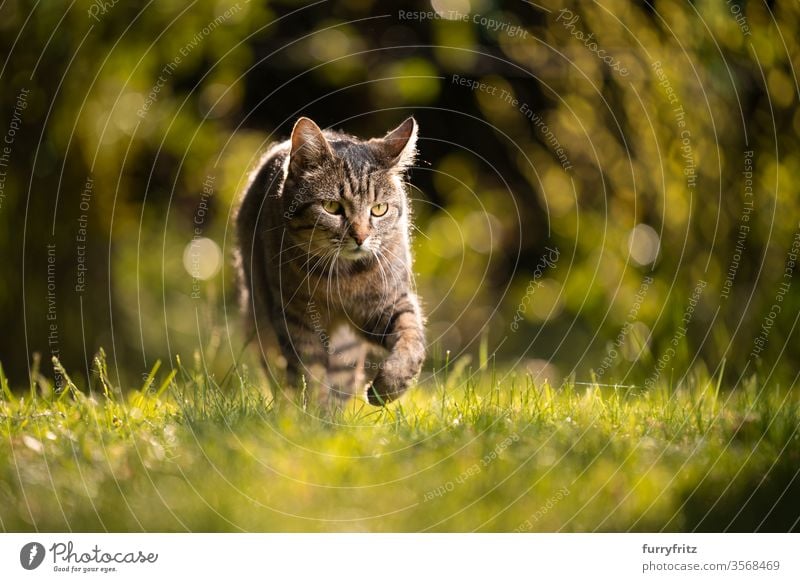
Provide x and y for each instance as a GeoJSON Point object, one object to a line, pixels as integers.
{"type": "Point", "coordinates": [399, 147]}
{"type": "Point", "coordinates": [309, 146]}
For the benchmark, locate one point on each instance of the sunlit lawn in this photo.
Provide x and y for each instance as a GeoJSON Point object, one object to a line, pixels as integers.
{"type": "Point", "coordinates": [467, 450]}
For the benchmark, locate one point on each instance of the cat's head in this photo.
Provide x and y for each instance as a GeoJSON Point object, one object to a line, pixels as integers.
{"type": "Point", "coordinates": [343, 197]}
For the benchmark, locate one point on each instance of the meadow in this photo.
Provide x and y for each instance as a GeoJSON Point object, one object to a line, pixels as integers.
{"type": "Point", "coordinates": [474, 448]}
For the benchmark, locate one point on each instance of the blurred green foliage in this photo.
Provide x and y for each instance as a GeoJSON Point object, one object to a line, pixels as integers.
{"type": "Point", "coordinates": [166, 107]}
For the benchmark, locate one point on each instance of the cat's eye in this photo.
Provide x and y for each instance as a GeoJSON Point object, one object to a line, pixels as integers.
{"type": "Point", "coordinates": [332, 207]}
{"type": "Point", "coordinates": [380, 209]}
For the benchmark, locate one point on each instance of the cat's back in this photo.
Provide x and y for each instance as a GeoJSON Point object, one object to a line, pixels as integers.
{"type": "Point", "coordinates": [268, 176]}
{"type": "Point", "coordinates": [261, 198]}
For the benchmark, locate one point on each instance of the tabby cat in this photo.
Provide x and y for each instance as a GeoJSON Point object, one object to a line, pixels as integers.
{"type": "Point", "coordinates": [325, 262]}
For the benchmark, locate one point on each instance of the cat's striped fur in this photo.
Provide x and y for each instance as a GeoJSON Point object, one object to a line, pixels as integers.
{"type": "Point", "coordinates": [323, 235]}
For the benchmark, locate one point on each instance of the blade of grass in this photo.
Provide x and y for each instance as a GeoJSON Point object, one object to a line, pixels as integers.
{"type": "Point", "coordinates": [5, 388]}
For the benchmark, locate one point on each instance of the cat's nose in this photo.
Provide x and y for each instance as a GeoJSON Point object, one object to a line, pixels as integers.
{"type": "Point", "coordinates": [359, 237]}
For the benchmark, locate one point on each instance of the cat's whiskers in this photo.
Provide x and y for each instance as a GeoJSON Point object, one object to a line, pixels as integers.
{"type": "Point", "coordinates": [321, 256]}
{"type": "Point", "coordinates": [384, 278]}
{"type": "Point", "coordinates": [300, 244]}
{"type": "Point", "coordinates": [318, 261]}
{"type": "Point", "coordinates": [289, 248]}
{"type": "Point", "coordinates": [309, 256]}
{"type": "Point", "coordinates": [270, 229]}
{"type": "Point", "coordinates": [399, 259]}
{"type": "Point", "coordinates": [384, 274]}
{"type": "Point", "coordinates": [406, 266]}
{"type": "Point", "coordinates": [416, 228]}
{"type": "Point", "coordinates": [331, 274]}
{"type": "Point", "coordinates": [306, 279]}
{"type": "Point", "coordinates": [292, 257]}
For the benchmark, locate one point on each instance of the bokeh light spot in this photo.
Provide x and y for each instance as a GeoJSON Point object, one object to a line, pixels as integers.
{"type": "Point", "coordinates": [202, 258]}
{"type": "Point", "coordinates": [643, 244]}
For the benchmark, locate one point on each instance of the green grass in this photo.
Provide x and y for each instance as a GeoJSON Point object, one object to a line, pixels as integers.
{"type": "Point", "coordinates": [466, 451]}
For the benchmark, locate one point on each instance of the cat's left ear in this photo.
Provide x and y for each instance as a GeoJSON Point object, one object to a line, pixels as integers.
{"type": "Point", "coordinates": [399, 148]}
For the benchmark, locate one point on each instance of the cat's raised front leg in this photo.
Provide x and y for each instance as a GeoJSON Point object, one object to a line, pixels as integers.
{"type": "Point", "coordinates": [399, 329]}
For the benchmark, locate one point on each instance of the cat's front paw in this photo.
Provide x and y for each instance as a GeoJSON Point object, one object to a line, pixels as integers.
{"type": "Point", "coordinates": [385, 389]}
